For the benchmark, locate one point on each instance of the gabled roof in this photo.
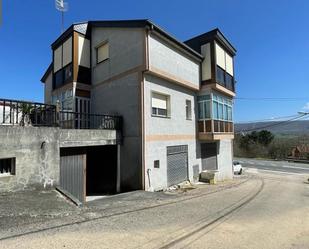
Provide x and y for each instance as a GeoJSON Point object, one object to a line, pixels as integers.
{"type": "Point", "coordinates": [214, 34]}
{"type": "Point", "coordinates": [47, 72]}
{"type": "Point", "coordinates": [84, 27]}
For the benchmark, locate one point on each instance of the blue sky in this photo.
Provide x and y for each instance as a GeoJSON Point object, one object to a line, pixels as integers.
{"type": "Point", "coordinates": [271, 37]}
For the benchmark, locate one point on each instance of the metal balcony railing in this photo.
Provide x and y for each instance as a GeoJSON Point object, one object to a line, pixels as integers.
{"type": "Point", "coordinates": [15, 112]}
{"type": "Point", "coordinates": [22, 113]}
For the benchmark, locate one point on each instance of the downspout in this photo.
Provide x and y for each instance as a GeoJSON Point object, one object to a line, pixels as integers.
{"type": "Point", "coordinates": [146, 64]}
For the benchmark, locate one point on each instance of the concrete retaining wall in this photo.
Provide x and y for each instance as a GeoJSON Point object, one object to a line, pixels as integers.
{"type": "Point", "coordinates": [37, 153]}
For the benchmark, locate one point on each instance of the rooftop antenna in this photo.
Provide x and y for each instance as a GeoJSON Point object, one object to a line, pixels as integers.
{"type": "Point", "coordinates": [62, 7]}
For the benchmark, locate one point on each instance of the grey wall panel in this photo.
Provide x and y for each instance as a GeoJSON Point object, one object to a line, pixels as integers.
{"type": "Point", "coordinates": [122, 97]}
{"type": "Point", "coordinates": [126, 51]}
{"type": "Point", "coordinates": [72, 175]}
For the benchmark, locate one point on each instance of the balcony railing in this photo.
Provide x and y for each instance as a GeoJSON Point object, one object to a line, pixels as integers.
{"type": "Point", "coordinates": [14, 112]}
{"type": "Point", "coordinates": [75, 120]}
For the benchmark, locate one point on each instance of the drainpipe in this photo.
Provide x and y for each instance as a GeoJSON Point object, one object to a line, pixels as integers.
{"type": "Point", "coordinates": [118, 169]}
{"type": "Point", "coordinates": [149, 182]}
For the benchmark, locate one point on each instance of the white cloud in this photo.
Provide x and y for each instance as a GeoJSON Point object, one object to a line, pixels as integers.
{"type": "Point", "coordinates": [306, 107]}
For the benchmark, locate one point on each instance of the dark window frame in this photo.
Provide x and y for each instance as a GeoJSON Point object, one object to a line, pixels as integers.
{"type": "Point", "coordinates": [225, 75]}
{"type": "Point", "coordinates": [9, 165]}
{"type": "Point", "coordinates": [62, 76]}
{"type": "Point", "coordinates": [97, 52]}
{"type": "Point", "coordinates": [156, 164]}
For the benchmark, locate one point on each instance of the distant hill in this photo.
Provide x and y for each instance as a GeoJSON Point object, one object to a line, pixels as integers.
{"type": "Point", "coordinates": [276, 127]}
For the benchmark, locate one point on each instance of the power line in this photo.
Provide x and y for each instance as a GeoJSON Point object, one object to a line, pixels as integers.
{"type": "Point", "coordinates": [272, 98]}
{"type": "Point", "coordinates": [276, 124]}
{"type": "Point", "coordinates": [267, 119]}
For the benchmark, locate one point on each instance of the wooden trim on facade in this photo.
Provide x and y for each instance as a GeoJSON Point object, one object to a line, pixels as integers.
{"type": "Point", "coordinates": [215, 136]}
{"type": "Point", "coordinates": [82, 93]}
{"type": "Point", "coordinates": [169, 137]}
{"type": "Point", "coordinates": [75, 56]}
{"type": "Point", "coordinates": [219, 88]}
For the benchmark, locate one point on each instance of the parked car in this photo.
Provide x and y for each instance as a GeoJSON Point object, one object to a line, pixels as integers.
{"type": "Point", "coordinates": [237, 168]}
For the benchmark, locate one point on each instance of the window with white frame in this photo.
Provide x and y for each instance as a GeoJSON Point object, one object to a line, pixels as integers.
{"type": "Point", "coordinates": [160, 105]}
{"type": "Point", "coordinates": [103, 52]}
{"type": "Point", "coordinates": [188, 110]}
{"type": "Point", "coordinates": [204, 107]}
{"type": "Point", "coordinates": [222, 108]}
{"type": "Point", "coordinates": [7, 166]}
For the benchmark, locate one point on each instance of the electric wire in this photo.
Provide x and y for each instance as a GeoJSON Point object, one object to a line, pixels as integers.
{"type": "Point", "coordinates": [272, 98]}
{"type": "Point", "coordinates": [268, 119]}
{"type": "Point", "coordinates": [275, 124]}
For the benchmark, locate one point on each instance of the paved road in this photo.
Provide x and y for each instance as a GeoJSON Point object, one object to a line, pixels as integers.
{"type": "Point", "coordinates": [266, 211]}
{"type": "Point", "coordinates": [283, 166]}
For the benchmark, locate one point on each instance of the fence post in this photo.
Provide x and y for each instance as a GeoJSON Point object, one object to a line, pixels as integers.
{"type": "Point", "coordinates": [58, 113]}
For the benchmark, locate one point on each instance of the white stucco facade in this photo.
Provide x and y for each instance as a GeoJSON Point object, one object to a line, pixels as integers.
{"type": "Point", "coordinates": [176, 130]}
{"type": "Point", "coordinates": [162, 132]}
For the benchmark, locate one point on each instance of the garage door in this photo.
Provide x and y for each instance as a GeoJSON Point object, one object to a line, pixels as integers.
{"type": "Point", "coordinates": [72, 175]}
{"type": "Point", "coordinates": [209, 156]}
{"type": "Point", "coordinates": [177, 164]}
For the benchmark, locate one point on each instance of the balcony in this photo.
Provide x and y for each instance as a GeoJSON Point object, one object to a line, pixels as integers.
{"type": "Point", "coordinates": [215, 130]}
{"type": "Point", "coordinates": [21, 113]}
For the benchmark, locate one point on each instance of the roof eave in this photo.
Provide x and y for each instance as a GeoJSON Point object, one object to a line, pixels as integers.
{"type": "Point", "coordinates": [172, 38]}
{"type": "Point", "coordinates": [47, 72]}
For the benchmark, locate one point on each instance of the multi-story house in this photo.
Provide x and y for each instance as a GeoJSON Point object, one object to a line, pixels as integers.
{"type": "Point", "coordinates": [176, 98]}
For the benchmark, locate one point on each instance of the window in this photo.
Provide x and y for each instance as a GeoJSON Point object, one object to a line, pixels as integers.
{"type": "Point", "coordinates": [215, 109]}
{"type": "Point", "coordinates": [102, 52]}
{"type": "Point", "coordinates": [156, 164]}
{"type": "Point", "coordinates": [68, 73]}
{"type": "Point", "coordinates": [204, 107]}
{"type": "Point", "coordinates": [188, 110]}
{"type": "Point", "coordinates": [160, 105]}
{"type": "Point", "coordinates": [65, 99]}
{"type": "Point", "coordinates": [7, 166]}
{"type": "Point", "coordinates": [224, 68]}
{"type": "Point", "coordinates": [222, 108]}
{"type": "Point", "coordinates": [220, 75]}
{"type": "Point", "coordinates": [62, 61]}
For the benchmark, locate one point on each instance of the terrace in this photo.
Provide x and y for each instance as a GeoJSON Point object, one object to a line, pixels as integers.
{"type": "Point", "coordinates": [22, 113]}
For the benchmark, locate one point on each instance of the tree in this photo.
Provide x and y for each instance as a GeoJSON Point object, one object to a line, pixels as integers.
{"type": "Point", "coordinates": [265, 137]}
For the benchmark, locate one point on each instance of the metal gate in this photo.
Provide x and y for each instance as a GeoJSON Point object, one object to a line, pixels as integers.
{"type": "Point", "coordinates": [209, 156]}
{"type": "Point", "coordinates": [72, 175]}
{"type": "Point", "coordinates": [177, 164]}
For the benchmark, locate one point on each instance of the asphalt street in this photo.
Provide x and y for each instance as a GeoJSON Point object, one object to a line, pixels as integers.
{"type": "Point", "coordinates": [267, 210]}
{"type": "Point", "coordinates": [282, 166]}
